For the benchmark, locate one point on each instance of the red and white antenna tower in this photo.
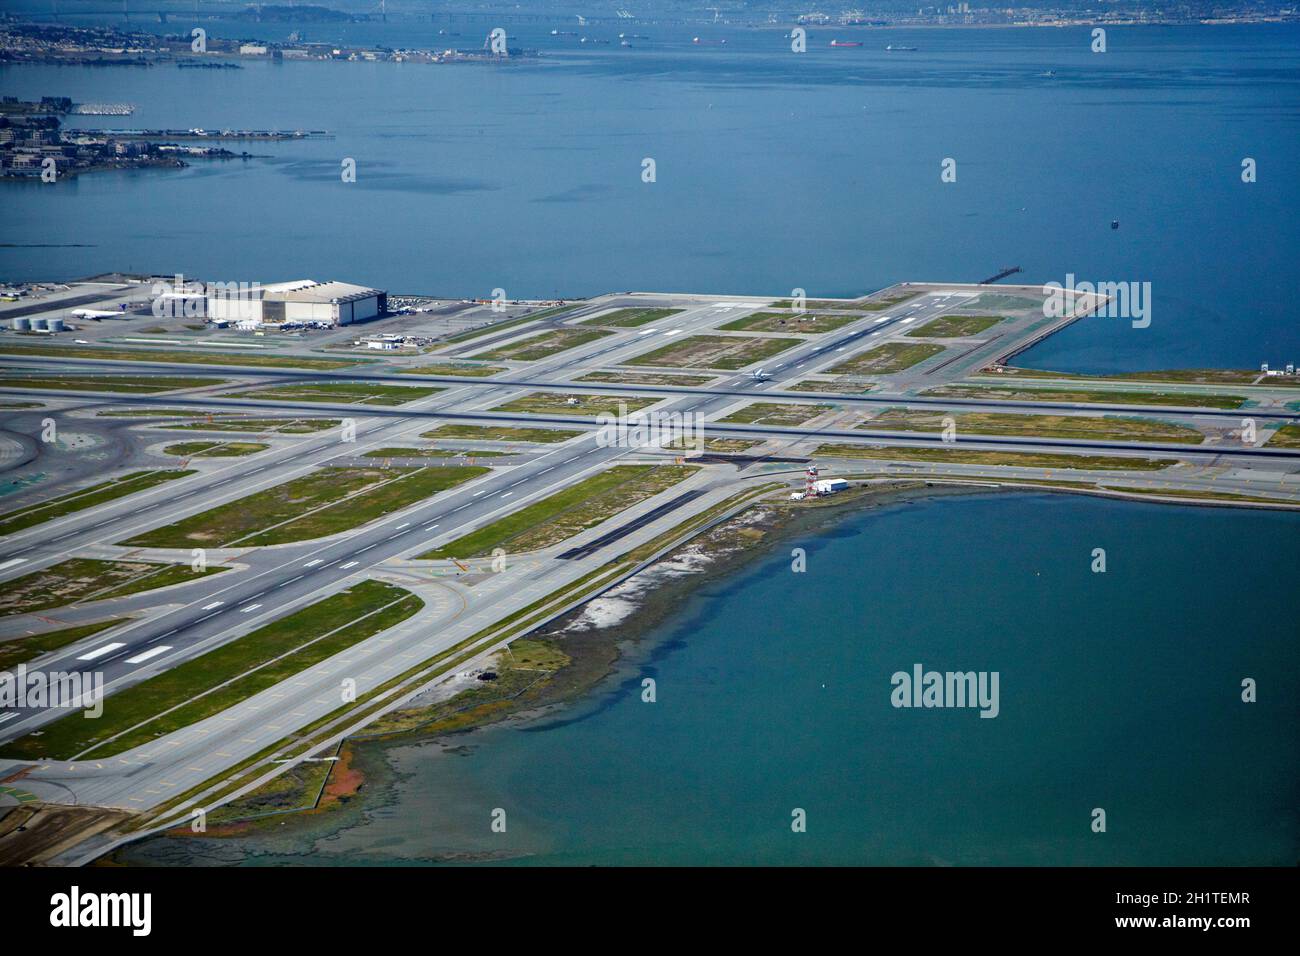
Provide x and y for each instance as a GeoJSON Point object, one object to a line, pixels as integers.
{"type": "Point", "coordinates": [810, 481]}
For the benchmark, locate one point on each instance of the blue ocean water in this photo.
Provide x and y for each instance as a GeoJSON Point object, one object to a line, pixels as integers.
{"type": "Point", "coordinates": [774, 171]}
{"type": "Point", "coordinates": [1118, 690]}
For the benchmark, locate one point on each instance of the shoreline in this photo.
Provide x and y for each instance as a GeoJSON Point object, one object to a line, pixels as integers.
{"type": "Point", "coordinates": [600, 639]}
{"type": "Point", "coordinates": [603, 643]}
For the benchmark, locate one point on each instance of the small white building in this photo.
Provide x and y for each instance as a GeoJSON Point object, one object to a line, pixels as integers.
{"type": "Point", "coordinates": [830, 486]}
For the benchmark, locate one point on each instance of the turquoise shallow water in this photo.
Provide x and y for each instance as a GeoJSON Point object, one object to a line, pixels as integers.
{"type": "Point", "coordinates": [1118, 690]}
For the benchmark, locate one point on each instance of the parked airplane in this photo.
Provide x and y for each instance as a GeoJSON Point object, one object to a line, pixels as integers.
{"type": "Point", "coordinates": [97, 314]}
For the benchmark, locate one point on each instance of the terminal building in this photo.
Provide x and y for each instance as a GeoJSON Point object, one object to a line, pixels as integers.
{"type": "Point", "coordinates": [300, 302]}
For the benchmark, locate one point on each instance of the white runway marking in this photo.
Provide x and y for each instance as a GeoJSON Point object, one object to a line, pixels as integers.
{"type": "Point", "coordinates": [100, 652]}
{"type": "Point", "coordinates": [312, 564]}
{"type": "Point", "coordinates": [12, 562]}
{"type": "Point", "coordinates": [251, 607]}
{"type": "Point", "coordinates": [154, 652]}
{"type": "Point", "coordinates": [209, 607]}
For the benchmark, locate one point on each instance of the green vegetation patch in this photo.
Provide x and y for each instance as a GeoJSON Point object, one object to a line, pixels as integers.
{"type": "Point", "coordinates": [885, 301]}
{"type": "Point", "coordinates": [630, 318]}
{"type": "Point", "coordinates": [545, 345]}
{"type": "Point", "coordinates": [720, 446]}
{"type": "Point", "coordinates": [327, 501]}
{"type": "Point", "coordinates": [1203, 495]}
{"type": "Point", "coordinates": [214, 449]}
{"type": "Point", "coordinates": [726, 352]}
{"type": "Point", "coordinates": [888, 358]}
{"type": "Point", "coordinates": [647, 378]}
{"type": "Point", "coordinates": [454, 368]}
{"type": "Point", "coordinates": [356, 393]}
{"type": "Point", "coordinates": [1174, 376]}
{"type": "Point", "coordinates": [807, 322]}
{"type": "Point", "coordinates": [1107, 427]}
{"type": "Point", "coordinates": [1010, 458]}
{"type": "Point", "coordinates": [188, 358]}
{"type": "Point", "coordinates": [1001, 302]}
{"type": "Point", "coordinates": [510, 324]}
{"type": "Point", "coordinates": [863, 304]}
{"type": "Point", "coordinates": [151, 413]}
{"type": "Point", "coordinates": [85, 498]}
{"type": "Point", "coordinates": [1181, 399]}
{"type": "Point", "coordinates": [955, 326]}
{"type": "Point", "coordinates": [568, 512]}
{"type": "Point", "coordinates": [433, 453]}
{"type": "Point", "coordinates": [583, 403]}
{"type": "Point", "coordinates": [500, 433]}
{"type": "Point", "coordinates": [90, 579]}
{"type": "Point", "coordinates": [776, 413]}
{"type": "Point", "coordinates": [1288, 436]}
{"type": "Point", "coordinates": [285, 426]}
{"type": "Point", "coordinates": [127, 384]}
{"type": "Point", "coordinates": [224, 676]}
{"type": "Point", "coordinates": [522, 665]}
{"type": "Point", "coordinates": [841, 387]}
{"type": "Point", "coordinates": [20, 650]}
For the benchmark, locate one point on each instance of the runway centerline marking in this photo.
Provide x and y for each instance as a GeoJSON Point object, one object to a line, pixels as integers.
{"type": "Point", "coordinates": [153, 652]}
{"type": "Point", "coordinates": [100, 651]}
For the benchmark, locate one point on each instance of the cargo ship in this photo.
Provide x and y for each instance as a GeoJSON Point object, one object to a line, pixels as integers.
{"type": "Point", "coordinates": [845, 43]}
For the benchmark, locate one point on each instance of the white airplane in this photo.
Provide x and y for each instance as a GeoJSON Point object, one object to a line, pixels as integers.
{"type": "Point", "coordinates": [97, 314]}
{"type": "Point", "coordinates": [759, 375]}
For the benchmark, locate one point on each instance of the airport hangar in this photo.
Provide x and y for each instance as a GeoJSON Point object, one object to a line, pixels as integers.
{"type": "Point", "coordinates": [302, 301]}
